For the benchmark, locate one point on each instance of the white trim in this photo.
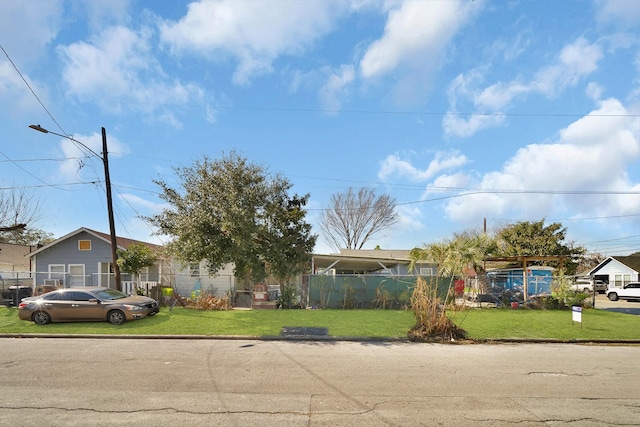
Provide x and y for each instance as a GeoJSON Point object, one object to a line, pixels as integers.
{"type": "Point", "coordinates": [73, 281]}
{"type": "Point", "coordinates": [55, 274]}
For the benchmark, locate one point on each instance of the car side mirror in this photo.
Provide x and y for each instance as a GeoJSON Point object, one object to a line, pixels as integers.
{"type": "Point", "coordinates": [97, 301]}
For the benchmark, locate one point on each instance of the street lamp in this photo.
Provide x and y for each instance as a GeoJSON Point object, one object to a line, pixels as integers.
{"type": "Point", "coordinates": [105, 161]}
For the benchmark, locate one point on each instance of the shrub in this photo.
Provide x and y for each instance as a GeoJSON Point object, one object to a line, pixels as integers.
{"type": "Point", "coordinates": [205, 301]}
{"type": "Point", "coordinates": [287, 298]}
{"type": "Point", "coordinates": [432, 322]}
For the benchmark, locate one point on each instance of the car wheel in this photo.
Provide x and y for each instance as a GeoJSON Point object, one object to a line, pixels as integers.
{"type": "Point", "coordinates": [613, 296]}
{"type": "Point", "coordinates": [586, 290]}
{"type": "Point", "coordinates": [41, 318]}
{"type": "Point", "coordinates": [116, 317]}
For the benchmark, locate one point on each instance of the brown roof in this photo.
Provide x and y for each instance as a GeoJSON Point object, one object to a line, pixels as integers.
{"type": "Point", "coordinates": [123, 242]}
{"type": "Point", "coordinates": [631, 261]}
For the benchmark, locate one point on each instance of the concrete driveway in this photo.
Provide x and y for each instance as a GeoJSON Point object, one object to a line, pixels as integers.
{"type": "Point", "coordinates": [620, 306]}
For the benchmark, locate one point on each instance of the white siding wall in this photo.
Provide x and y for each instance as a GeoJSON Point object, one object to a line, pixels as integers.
{"type": "Point", "coordinates": [619, 274]}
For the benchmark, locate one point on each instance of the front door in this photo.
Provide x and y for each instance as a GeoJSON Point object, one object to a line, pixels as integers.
{"type": "Point", "coordinates": [76, 276]}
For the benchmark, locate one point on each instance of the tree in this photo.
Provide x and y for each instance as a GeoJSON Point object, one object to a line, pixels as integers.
{"type": "Point", "coordinates": [232, 211]}
{"type": "Point", "coordinates": [27, 236]}
{"type": "Point", "coordinates": [288, 235]}
{"type": "Point", "coordinates": [453, 257]}
{"type": "Point", "coordinates": [535, 239]}
{"type": "Point", "coordinates": [19, 210]}
{"type": "Point", "coordinates": [135, 258]}
{"type": "Point", "coordinates": [353, 218]}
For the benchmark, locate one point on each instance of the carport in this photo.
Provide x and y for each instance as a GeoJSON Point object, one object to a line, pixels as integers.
{"type": "Point", "coordinates": [525, 261]}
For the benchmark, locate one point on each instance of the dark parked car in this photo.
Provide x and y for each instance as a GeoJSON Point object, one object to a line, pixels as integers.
{"type": "Point", "coordinates": [89, 303]}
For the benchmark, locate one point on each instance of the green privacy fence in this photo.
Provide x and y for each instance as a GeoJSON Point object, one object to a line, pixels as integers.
{"type": "Point", "coordinates": [360, 291]}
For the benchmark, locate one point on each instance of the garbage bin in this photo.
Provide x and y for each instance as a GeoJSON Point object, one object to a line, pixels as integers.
{"type": "Point", "coordinates": [19, 292]}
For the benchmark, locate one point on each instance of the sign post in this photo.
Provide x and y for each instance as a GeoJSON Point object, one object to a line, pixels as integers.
{"type": "Point", "coordinates": [576, 314]}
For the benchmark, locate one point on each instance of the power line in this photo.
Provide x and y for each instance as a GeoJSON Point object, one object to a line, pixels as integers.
{"type": "Point", "coordinates": [51, 185]}
{"type": "Point", "coordinates": [363, 111]}
{"type": "Point", "coordinates": [31, 89]}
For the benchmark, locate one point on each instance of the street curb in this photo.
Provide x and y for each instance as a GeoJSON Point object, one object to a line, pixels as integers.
{"type": "Point", "coordinates": [311, 338]}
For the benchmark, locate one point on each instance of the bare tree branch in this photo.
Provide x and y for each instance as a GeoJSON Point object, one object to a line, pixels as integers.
{"type": "Point", "coordinates": [352, 218]}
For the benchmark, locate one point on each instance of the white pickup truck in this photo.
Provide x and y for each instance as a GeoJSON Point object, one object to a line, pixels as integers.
{"type": "Point", "coordinates": [629, 291]}
{"type": "Point", "coordinates": [586, 285]}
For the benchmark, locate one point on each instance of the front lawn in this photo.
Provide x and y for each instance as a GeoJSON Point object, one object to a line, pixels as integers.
{"type": "Point", "coordinates": [485, 324]}
{"type": "Point", "coordinates": [181, 321]}
{"type": "Point", "coordinates": [547, 324]}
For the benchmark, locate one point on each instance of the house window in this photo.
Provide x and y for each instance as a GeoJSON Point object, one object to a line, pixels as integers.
{"type": "Point", "coordinates": [84, 245]}
{"type": "Point", "coordinates": [194, 270]}
{"type": "Point", "coordinates": [144, 274]}
{"type": "Point", "coordinates": [426, 271]}
{"type": "Point", "coordinates": [621, 279]}
{"type": "Point", "coordinates": [57, 272]}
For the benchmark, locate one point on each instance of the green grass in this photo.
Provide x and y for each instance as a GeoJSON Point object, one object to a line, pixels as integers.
{"type": "Point", "coordinates": [180, 321]}
{"type": "Point", "coordinates": [480, 324]}
{"type": "Point", "coordinates": [548, 324]}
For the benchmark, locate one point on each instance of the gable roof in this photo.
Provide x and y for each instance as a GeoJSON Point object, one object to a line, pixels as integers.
{"type": "Point", "coordinates": [631, 261]}
{"type": "Point", "coordinates": [122, 242]}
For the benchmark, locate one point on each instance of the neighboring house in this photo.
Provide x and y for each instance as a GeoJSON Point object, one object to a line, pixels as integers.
{"type": "Point", "coordinates": [370, 262]}
{"type": "Point", "coordinates": [15, 269]}
{"type": "Point", "coordinates": [13, 257]}
{"type": "Point", "coordinates": [617, 271]}
{"type": "Point", "coordinates": [196, 278]}
{"type": "Point", "coordinates": [84, 258]}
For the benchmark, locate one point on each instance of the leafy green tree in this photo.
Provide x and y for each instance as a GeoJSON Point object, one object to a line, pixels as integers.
{"type": "Point", "coordinates": [529, 238]}
{"type": "Point", "coordinates": [232, 211]}
{"type": "Point", "coordinates": [287, 234]}
{"type": "Point", "coordinates": [136, 257]}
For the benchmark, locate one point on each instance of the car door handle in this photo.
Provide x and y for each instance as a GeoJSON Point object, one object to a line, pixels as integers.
{"type": "Point", "coordinates": [75, 305]}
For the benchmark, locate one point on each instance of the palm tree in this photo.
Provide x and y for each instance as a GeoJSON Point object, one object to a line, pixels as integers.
{"type": "Point", "coordinates": [453, 258]}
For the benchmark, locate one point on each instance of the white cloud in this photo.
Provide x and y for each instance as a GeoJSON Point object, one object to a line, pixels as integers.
{"type": "Point", "coordinates": [141, 204]}
{"type": "Point", "coordinates": [625, 13]}
{"type": "Point", "coordinates": [13, 90]}
{"type": "Point", "coordinates": [118, 65]}
{"type": "Point", "coordinates": [415, 35]}
{"type": "Point", "coordinates": [591, 154]}
{"type": "Point", "coordinates": [395, 167]}
{"type": "Point", "coordinates": [27, 27]}
{"type": "Point", "coordinates": [336, 87]}
{"type": "Point", "coordinates": [575, 62]}
{"type": "Point", "coordinates": [88, 164]}
{"type": "Point", "coordinates": [254, 33]}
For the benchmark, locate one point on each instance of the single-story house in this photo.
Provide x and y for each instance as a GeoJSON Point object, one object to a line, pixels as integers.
{"type": "Point", "coordinates": [617, 271]}
{"type": "Point", "coordinates": [84, 258]}
{"type": "Point", "coordinates": [370, 262]}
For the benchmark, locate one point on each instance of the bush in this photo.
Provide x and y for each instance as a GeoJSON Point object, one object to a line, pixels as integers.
{"type": "Point", "coordinates": [432, 322]}
{"type": "Point", "coordinates": [205, 301]}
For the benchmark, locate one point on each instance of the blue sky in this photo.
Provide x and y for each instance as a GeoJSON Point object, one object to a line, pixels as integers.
{"type": "Point", "coordinates": [461, 110]}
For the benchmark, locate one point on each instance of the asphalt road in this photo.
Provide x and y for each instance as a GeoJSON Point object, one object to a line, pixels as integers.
{"type": "Point", "coordinates": [204, 382]}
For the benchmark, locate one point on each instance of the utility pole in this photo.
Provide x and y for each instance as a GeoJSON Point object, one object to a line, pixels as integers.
{"type": "Point", "coordinates": [112, 225]}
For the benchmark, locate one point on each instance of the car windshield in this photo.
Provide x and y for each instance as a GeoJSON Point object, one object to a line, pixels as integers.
{"type": "Point", "coordinates": [110, 294]}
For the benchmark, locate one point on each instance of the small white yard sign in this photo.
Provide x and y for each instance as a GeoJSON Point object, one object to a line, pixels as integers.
{"type": "Point", "coordinates": [576, 314]}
